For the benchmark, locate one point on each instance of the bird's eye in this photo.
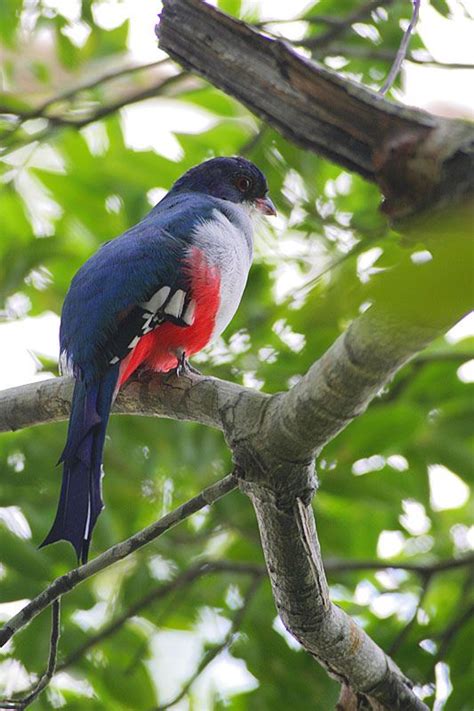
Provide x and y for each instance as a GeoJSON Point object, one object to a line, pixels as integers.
{"type": "Point", "coordinates": [243, 183]}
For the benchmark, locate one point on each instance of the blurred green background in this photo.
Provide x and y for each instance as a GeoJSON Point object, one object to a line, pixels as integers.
{"type": "Point", "coordinates": [85, 153]}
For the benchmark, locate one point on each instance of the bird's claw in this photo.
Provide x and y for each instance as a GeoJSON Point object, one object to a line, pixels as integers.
{"type": "Point", "coordinates": [184, 367]}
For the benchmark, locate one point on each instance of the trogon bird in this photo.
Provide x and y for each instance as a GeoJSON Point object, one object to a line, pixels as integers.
{"type": "Point", "coordinates": [150, 298]}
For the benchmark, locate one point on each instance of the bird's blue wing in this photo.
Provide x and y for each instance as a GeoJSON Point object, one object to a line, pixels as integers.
{"type": "Point", "coordinates": [103, 305]}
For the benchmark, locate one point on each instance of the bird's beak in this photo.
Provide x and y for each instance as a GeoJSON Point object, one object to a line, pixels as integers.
{"type": "Point", "coordinates": [265, 206]}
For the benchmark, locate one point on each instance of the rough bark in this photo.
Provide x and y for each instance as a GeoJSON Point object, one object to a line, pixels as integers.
{"type": "Point", "coordinates": [274, 440]}
{"type": "Point", "coordinates": [295, 425]}
{"type": "Point", "coordinates": [417, 159]}
{"type": "Point", "coordinates": [419, 162]}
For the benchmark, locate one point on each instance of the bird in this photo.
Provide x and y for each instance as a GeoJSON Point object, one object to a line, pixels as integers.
{"type": "Point", "coordinates": [150, 299]}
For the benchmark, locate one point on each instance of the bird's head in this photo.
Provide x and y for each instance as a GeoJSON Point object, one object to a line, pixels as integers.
{"type": "Point", "coordinates": [235, 179]}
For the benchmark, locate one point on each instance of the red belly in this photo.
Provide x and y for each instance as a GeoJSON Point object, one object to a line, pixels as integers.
{"type": "Point", "coordinates": [160, 349]}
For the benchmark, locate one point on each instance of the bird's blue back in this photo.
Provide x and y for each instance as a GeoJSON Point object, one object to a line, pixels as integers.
{"type": "Point", "coordinates": [147, 277]}
{"type": "Point", "coordinates": [126, 271]}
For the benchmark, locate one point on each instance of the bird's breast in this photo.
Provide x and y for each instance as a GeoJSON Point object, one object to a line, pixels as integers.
{"type": "Point", "coordinates": [227, 249]}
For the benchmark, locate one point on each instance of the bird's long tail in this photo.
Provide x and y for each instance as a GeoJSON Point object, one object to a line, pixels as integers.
{"type": "Point", "coordinates": [80, 501]}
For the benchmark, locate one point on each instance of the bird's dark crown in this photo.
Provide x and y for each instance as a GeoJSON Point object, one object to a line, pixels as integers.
{"type": "Point", "coordinates": [235, 179]}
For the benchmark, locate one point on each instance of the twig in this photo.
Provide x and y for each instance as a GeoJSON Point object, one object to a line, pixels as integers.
{"type": "Point", "coordinates": [70, 93]}
{"type": "Point", "coordinates": [380, 54]}
{"type": "Point", "coordinates": [212, 653]}
{"type": "Point", "coordinates": [400, 638]}
{"type": "Point", "coordinates": [393, 73]}
{"type": "Point", "coordinates": [416, 366]}
{"type": "Point", "coordinates": [104, 78]}
{"type": "Point", "coordinates": [330, 20]}
{"type": "Point", "coordinates": [343, 24]}
{"type": "Point", "coordinates": [443, 355]}
{"type": "Point", "coordinates": [422, 569]}
{"type": "Point", "coordinates": [187, 577]}
{"type": "Point", "coordinates": [21, 704]}
{"type": "Point", "coordinates": [55, 122]}
{"type": "Point", "coordinates": [69, 581]}
{"type": "Point", "coordinates": [338, 25]}
{"type": "Point", "coordinates": [427, 573]}
{"type": "Point", "coordinates": [447, 635]}
{"type": "Point", "coordinates": [104, 111]}
{"type": "Point", "coordinates": [307, 287]}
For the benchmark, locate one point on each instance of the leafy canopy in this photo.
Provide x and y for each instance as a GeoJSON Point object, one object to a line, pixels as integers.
{"type": "Point", "coordinates": [66, 189]}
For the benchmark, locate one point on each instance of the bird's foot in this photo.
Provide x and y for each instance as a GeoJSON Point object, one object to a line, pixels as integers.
{"type": "Point", "coordinates": [184, 367]}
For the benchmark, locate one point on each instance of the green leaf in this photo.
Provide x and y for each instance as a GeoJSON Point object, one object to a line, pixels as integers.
{"type": "Point", "coordinates": [441, 6]}
{"type": "Point", "coordinates": [9, 19]}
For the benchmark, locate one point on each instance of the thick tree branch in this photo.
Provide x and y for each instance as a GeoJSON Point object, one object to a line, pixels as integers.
{"type": "Point", "coordinates": [418, 160]}
{"type": "Point", "coordinates": [276, 470]}
{"type": "Point", "coordinates": [189, 397]}
{"type": "Point", "coordinates": [210, 567]}
{"type": "Point", "coordinates": [340, 385]}
{"type": "Point", "coordinates": [301, 594]}
{"type": "Point", "coordinates": [274, 441]}
{"type": "Point", "coordinates": [335, 390]}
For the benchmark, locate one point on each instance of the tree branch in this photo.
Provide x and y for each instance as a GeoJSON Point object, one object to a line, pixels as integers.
{"type": "Point", "coordinates": [274, 441]}
{"type": "Point", "coordinates": [335, 390]}
{"type": "Point", "coordinates": [189, 397]}
{"type": "Point", "coordinates": [274, 452]}
{"type": "Point", "coordinates": [418, 160]}
{"type": "Point", "coordinates": [69, 581]}
{"type": "Point", "coordinates": [276, 471]}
